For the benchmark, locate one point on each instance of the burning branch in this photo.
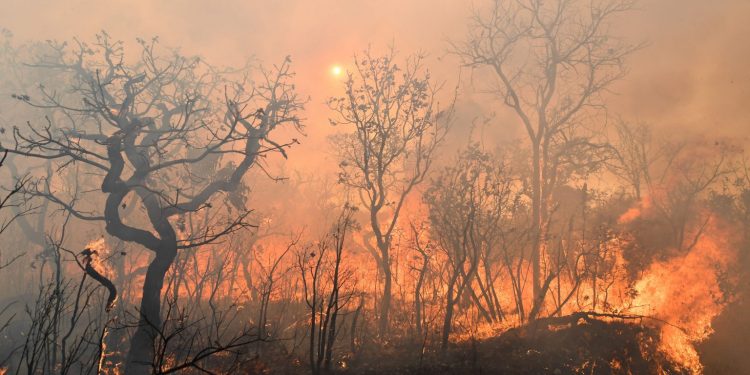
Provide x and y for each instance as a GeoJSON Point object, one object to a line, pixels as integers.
{"type": "Point", "coordinates": [88, 255]}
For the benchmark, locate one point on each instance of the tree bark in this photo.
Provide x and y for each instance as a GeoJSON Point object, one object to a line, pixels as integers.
{"type": "Point", "coordinates": [536, 229]}
{"type": "Point", "coordinates": [141, 351]}
{"type": "Point", "coordinates": [385, 306]}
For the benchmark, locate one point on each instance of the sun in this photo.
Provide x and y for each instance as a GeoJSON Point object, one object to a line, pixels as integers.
{"type": "Point", "coordinates": [336, 70]}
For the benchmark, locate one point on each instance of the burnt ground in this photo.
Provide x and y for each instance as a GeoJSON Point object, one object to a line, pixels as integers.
{"type": "Point", "coordinates": [581, 343]}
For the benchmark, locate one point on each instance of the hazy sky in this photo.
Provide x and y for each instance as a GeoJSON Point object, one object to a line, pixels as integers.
{"type": "Point", "coordinates": [693, 73]}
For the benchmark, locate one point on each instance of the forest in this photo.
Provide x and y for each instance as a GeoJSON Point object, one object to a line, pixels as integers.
{"type": "Point", "coordinates": [511, 196]}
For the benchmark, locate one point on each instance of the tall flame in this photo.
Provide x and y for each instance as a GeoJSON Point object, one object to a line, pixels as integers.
{"type": "Point", "coordinates": [684, 292]}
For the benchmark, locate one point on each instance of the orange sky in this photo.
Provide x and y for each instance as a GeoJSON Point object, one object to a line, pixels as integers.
{"type": "Point", "coordinates": [693, 73]}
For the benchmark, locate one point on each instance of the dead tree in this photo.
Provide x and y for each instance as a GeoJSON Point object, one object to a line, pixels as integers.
{"type": "Point", "coordinates": [190, 339]}
{"type": "Point", "coordinates": [634, 155]}
{"type": "Point", "coordinates": [269, 276]}
{"type": "Point", "coordinates": [673, 175]}
{"type": "Point", "coordinates": [67, 317]}
{"type": "Point", "coordinates": [424, 257]}
{"type": "Point", "coordinates": [136, 127]}
{"type": "Point", "coordinates": [467, 202]}
{"type": "Point", "coordinates": [552, 61]}
{"type": "Point", "coordinates": [9, 201]}
{"type": "Point", "coordinates": [324, 282]}
{"type": "Point", "coordinates": [397, 126]}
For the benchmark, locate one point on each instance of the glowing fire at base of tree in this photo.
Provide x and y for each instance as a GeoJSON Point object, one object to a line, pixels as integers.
{"type": "Point", "coordinates": [481, 208]}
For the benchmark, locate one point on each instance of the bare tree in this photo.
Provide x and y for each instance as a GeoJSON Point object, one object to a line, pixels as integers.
{"type": "Point", "coordinates": [672, 176]}
{"type": "Point", "coordinates": [189, 339]}
{"type": "Point", "coordinates": [135, 128]}
{"type": "Point", "coordinates": [325, 282]}
{"type": "Point", "coordinates": [67, 323]}
{"type": "Point", "coordinates": [397, 127]}
{"type": "Point", "coordinates": [467, 203]}
{"type": "Point", "coordinates": [424, 256]}
{"type": "Point", "coordinates": [553, 61]}
{"type": "Point", "coordinates": [269, 276]}
{"type": "Point", "coordinates": [634, 154]}
{"type": "Point", "coordinates": [7, 201]}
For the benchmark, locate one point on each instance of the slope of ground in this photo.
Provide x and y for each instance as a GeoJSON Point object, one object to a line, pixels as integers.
{"type": "Point", "coordinates": [582, 343]}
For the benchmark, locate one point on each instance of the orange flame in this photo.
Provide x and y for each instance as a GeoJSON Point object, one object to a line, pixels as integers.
{"type": "Point", "coordinates": [99, 254]}
{"type": "Point", "coordinates": [685, 293]}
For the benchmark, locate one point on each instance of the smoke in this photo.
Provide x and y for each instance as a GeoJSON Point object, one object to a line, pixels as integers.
{"type": "Point", "coordinates": [689, 77]}
{"type": "Point", "coordinates": [691, 73]}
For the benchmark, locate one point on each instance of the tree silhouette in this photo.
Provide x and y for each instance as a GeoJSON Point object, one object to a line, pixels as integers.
{"type": "Point", "coordinates": [136, 128]}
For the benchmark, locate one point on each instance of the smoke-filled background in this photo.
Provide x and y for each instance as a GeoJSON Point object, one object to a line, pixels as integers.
{"type": "Point", "coordinates": [691, 74]}
{"type": "Point", "coordinates": [640, 240]}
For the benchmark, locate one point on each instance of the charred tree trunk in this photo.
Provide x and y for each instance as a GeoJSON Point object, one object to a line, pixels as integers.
{"type": "Point", "coordinates": [353, 331]}
{"type": "Point", "coordinates": [536, 231]}
{"type": "Point", "coordinates": [418, 295]}
{"type": "Point", "coordinates": [146, 113]}
{"type": "Point", "coordinates": [449, 304]}
{"type": "Point", "coordinates": [142, 345]}
{"type": "Point", "coordinates": [385, 306]}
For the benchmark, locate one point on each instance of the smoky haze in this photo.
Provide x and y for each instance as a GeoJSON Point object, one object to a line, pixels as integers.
{"type": "Point", "coordinates": [300, 215]}
{"type": "Point", "coordinates": [692, 73]}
